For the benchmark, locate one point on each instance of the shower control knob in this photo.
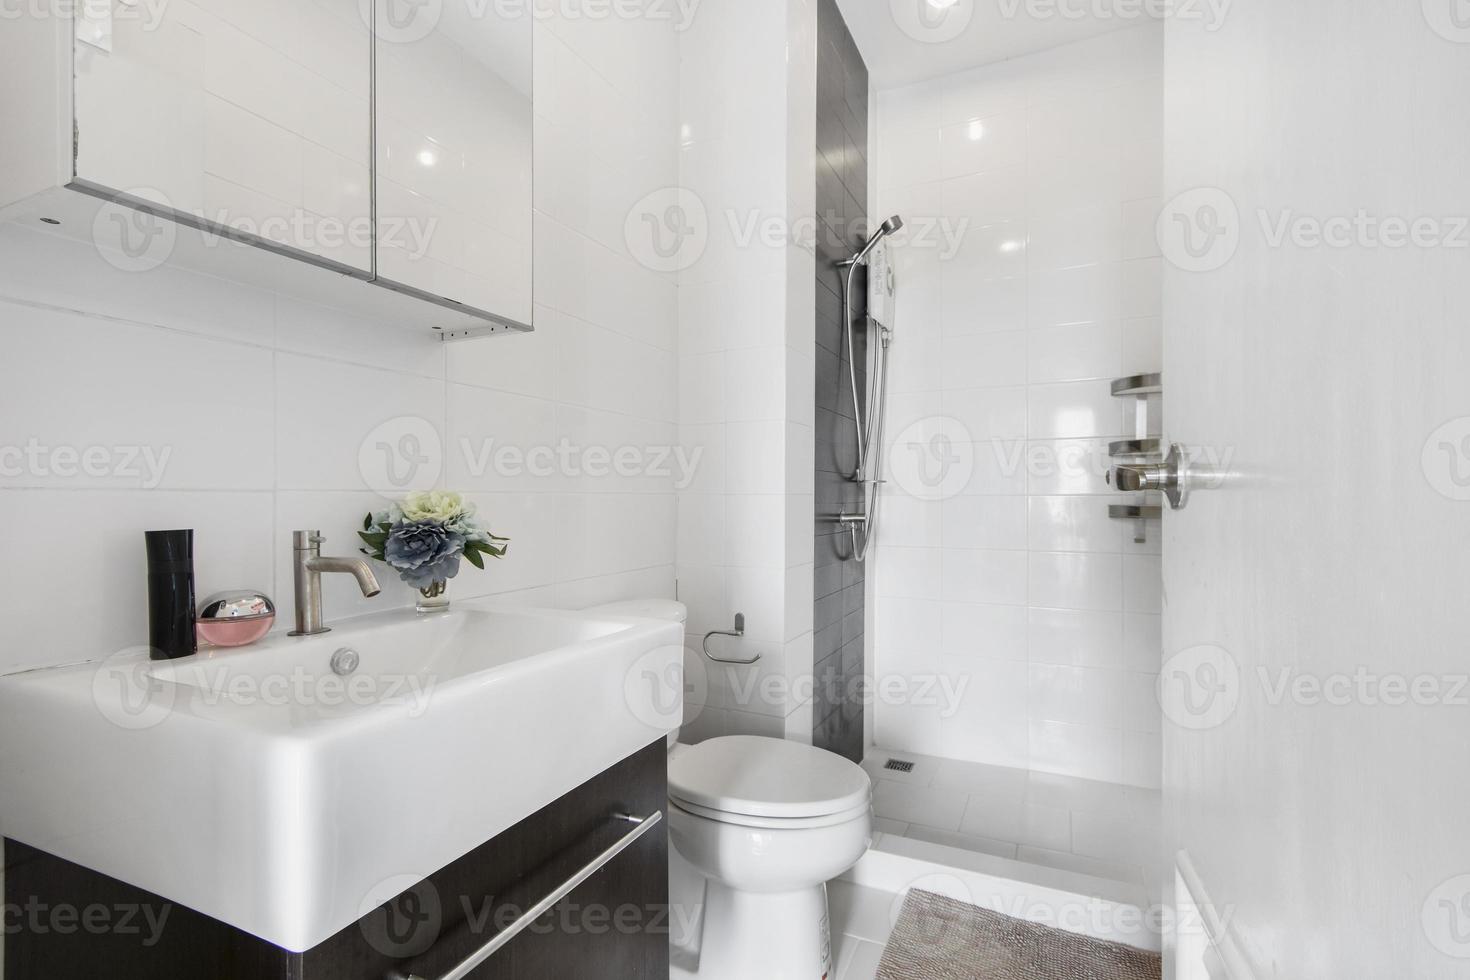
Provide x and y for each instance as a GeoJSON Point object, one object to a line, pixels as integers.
{"type": "Point", "coordinates": [1171, 477]}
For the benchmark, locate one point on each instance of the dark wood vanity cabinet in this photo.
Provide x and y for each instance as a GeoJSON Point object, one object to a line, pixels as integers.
{"type": "Point", "coordinates": [612, 924]}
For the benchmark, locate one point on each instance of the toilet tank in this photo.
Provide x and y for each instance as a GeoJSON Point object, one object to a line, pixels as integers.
{"type": "Point", "coordinates": [665, 609]}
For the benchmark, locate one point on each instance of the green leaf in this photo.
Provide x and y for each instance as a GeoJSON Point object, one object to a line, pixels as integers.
{"type": "Point", "coordinates": [474, 559]}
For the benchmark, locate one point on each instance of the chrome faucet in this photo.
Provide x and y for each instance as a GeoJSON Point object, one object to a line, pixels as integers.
{"type": "Point", "coordinates": [308, 566]}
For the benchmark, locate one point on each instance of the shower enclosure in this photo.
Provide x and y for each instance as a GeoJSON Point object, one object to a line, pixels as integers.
{"type": "Point", "coordinates": [1014, 635]}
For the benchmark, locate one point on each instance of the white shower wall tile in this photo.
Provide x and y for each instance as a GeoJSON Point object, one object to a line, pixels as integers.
{"type": "Point", "coordinates": [1048, 609]}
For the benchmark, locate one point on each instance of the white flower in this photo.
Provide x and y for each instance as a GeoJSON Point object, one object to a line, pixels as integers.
{"type": "Point", "coordinates": [443, 506]}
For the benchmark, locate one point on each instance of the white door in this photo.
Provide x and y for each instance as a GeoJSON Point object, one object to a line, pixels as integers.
{"type": "Point", "coordinates": [1317, 612]}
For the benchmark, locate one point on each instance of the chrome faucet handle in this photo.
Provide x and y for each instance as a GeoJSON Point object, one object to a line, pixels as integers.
{"type": "Point", "coordinates": [307, 540]}
{"type": "Point", "coordinates": [1171, 477]}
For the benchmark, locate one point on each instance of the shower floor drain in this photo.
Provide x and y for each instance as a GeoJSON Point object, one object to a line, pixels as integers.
{"type": "Point", "coordinates": [899, 765]}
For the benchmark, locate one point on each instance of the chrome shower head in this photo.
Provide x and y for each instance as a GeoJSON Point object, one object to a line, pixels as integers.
{"type": "Point", "coordinates": [888, 227]}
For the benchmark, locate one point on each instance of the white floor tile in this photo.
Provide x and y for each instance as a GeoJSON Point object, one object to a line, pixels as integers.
{"type": "Point", "coordinates": [860, 960]}
{"type": "Point", "coordinates": [996, 782]}
{"type": "Point", "coordinates": [1110, 837]}
{"type": "Point", "coordinates": [864, 913]}
{"type": "Point", "coordinates": [1065, 861]}
{"type": "Point", "coordinates": [1057, 822]}
{"type": "Point", "coordinates": [1071, 793]}
{"type": "Point", "coordinates": [980, 845]}
{"type": "Point", "coordinates": [942, 809]}
{"type": "Point", "coordinates": [1019, 821]}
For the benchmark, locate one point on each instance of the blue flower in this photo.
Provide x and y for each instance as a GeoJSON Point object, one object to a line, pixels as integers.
{"type": "Point", "coordinates": [424, 552]}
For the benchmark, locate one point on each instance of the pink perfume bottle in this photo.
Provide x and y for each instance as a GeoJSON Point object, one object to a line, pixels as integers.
{"type": "Point", "coordinates": [235, 619]}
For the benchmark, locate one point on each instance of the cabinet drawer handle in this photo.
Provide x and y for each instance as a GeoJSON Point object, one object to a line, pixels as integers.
{"type": "Point", "coordinates": [642, 825]}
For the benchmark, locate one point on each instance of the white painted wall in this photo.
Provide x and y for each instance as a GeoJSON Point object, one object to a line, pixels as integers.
{"type": "Point", "coordinates": [1332, 835]}
{"type": "Point", "coordinates": [1046, 170]}
{"type": "Point", "coordinates": [747, 363]}
{"type": "Point", "coordinates": [263, 402]}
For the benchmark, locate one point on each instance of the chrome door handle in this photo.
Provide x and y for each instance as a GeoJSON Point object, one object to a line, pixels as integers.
{"type": "Point", "coordinates": [1171, 477]}
{"type": "Point", "coordinates": [641, 826]}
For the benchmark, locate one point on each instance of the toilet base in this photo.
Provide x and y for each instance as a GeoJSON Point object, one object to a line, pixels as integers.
{"type": "Point", "coordinates": [744, 935]}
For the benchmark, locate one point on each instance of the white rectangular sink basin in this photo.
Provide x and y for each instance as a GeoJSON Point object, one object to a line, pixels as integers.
{"type": "Point", "coordinates": [262, 788]}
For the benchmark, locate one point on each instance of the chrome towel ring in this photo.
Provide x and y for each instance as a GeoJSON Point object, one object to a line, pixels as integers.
{"type": "Point", "coordinates": [739, 630]}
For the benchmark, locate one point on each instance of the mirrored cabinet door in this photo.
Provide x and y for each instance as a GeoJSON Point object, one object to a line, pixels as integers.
{"type": "Point", "coordinates": [454, 161]}
{"type": "Point", "coordinates": [254, 114]}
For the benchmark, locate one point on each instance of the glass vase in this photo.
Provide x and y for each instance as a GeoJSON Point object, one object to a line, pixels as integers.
{"type": "Point", "coordinates": [434, 599]}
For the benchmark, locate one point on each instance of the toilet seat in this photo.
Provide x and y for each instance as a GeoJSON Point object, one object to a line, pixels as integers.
{"type": "Point", "coordinates": [767, 782]}
{"type": "Point", "coordinates": [864, 811]}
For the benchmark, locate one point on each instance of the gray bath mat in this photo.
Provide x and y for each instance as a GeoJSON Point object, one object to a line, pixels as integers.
{"type": "Point", "coordinates": [937, 938]}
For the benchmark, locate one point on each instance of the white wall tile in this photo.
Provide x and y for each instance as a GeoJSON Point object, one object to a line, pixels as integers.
{"type": "Point", "coordinates": [1075, 410]}
{"type": "Point", "coordinates": [1076, 581]}
{"type": "Point", "coordinates": [1073, 524]}
{"type": "Point", "coordinates": [985, 360]}
{"type": "Point", "coordinates": [1077, 637]}
{"type": "Point", "coordinates": [1143, 583]}
{"type": "Point", "coordinates": [1090, 235]}
{"type": "Point", "coordinates": [996, 523]}
{"type": "Point", "coordinates": [982, 199]}
{"type": "Point", "coordinates": [135, 407]}
{"type": "Point", "coordinates": [39, 269]}
{"type": "Point", "coordinates": [1077, 750]}
{"type": "Point", "coordinates": [323, 420]}
{"type": "Point", "coordinates": [992, 305]}
{"type": "Point", "coordinates": [989, 413]}
{"type": "Point", "coordinates": [984, 576]}
{"type": "Point", "coordinates": [1089, 294]}
{"type": "Point", "coordinates": [991, 632]}
{"type": "Point", "coordinates": [990, 725]}
{"type": "Point", "coordinates": [1078, 352]}
{"type": "Point", "coordinates": [983, 145]}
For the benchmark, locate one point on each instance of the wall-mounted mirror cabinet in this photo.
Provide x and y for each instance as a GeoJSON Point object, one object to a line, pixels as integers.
{"type": "Point", "coordinates": [453, 150]}
{"type": "Point", "coordinates": [328, 148]}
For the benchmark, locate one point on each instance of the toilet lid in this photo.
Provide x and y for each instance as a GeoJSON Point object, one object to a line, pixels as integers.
{"type": "Point", "coordinates": [766, 777]}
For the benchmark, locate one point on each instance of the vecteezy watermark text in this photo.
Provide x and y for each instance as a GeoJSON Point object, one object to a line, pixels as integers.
{"type": "Point", "coordinates": [149, 12]}
{"type": "Point", "coordinates": [407, 453]}
{"type": "Point", "coordinates": [410, 21]}
{"type": "Point", "coordinates": [1202, 688]}
{"type": "Point", "coordinates": [1202, 229]}
{"type": "Point", "coordinates": [669, 230]}
{"type": "Point", "coordinates": [1211, 13]}
{"type": "Point", "coordinates": [144, 466]}
{"type": "Point", "coordinates": [575, 461]}
{"type": "Point", "coordinates": [409, 923]}
{"type": "Point", "coordinates": [136, 239]}
{"type": "Point", "coordinates": [303, 688]}
{"type": "Point", "coordinates": [40, 918]}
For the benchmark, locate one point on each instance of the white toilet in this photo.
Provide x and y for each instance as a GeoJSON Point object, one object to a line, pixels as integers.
{"type": "Point", "coordinates": [759, 826]}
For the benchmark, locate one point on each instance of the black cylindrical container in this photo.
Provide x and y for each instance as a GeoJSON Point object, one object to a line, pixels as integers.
{"type": "Point", "coordinates": [171, 594]}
